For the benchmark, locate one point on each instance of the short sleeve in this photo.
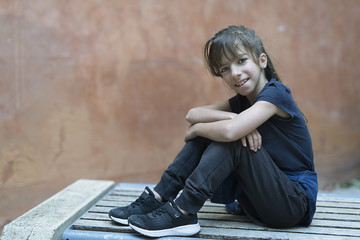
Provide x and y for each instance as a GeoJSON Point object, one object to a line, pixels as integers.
{"type": "Point", "coordinates": [279, 95]}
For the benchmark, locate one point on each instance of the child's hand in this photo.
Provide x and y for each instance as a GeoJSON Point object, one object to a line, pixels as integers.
{"type": "Point", "coordinates": [254, 140]}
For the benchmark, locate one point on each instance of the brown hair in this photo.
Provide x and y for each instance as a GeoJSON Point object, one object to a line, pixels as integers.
{"type": "Point", "coordinates": [226, 43]}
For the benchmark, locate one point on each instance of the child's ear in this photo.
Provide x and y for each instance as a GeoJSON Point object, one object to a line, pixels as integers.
{"type": "Point", "coordinates": [263, 60]}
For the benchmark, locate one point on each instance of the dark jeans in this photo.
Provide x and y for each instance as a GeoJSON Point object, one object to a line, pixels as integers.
{"type": "Point", "coordinates": [268, 196]}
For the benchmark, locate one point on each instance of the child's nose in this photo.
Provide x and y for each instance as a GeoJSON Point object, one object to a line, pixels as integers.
{"type": "Point", "coordinates": [235, 70]}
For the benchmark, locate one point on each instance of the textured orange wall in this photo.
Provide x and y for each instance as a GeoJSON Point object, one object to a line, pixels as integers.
{"type": "Point", "coordinates": [99, 89]}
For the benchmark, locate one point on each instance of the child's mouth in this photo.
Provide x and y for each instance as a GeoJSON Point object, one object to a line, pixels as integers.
{"type": "Point", "coordinates": [240, 83]}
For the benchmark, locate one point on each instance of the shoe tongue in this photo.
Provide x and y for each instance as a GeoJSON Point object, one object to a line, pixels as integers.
{"type": "Point", "coordinates": [150, 192]}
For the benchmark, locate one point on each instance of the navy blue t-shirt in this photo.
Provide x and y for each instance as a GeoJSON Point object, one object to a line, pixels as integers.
{"type": "Point", "coordinates": [287, 140]}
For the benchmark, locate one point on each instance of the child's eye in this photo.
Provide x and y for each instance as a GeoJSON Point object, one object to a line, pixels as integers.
{"type": "Point", "coordinates": [242, 60]}
{"type": "Point", "coordinates": [224, 70]}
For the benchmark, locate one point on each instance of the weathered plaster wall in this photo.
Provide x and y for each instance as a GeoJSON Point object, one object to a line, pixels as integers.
{"type": "Point", "coordinates": [99, 89]}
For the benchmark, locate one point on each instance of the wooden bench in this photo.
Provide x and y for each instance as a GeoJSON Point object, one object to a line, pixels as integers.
{"type": "Point", "coordinates": [337, 218]}
{"type": "Point", "coordinates": [51, 218]}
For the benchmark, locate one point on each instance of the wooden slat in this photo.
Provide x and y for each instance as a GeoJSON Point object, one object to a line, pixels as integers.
{"type": "Point", "coordinates": [255, 234]}
{"type": "Point", "coordinates": [308, 230]}
{"type": "Point", "coordinates": [350, 205]}
{"type": "Point", "coordinates": [99, 225]}
{"type": "Point", "coordinates": [339, 204]}
{"type": "Point", "coordinates": [333, 198]}
{"type": "Point", "coordinates": [135, 192]}
{"type": "Point", "coordinates": [334, 211]}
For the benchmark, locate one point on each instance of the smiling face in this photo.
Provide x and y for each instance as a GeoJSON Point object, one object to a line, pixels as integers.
{"type": "Point", "coordinates": [242, 74]}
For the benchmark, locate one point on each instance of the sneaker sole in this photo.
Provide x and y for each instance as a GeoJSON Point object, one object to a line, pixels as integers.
{"type": "Point", "coordinates": [119, 220]}
{"type": "Point", "coordinates": [186, 230]}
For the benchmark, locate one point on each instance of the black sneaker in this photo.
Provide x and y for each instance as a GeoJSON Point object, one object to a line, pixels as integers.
{"type": "Point", "coordinates": [146, 203]}
{"type": "Point", "coordinates": [167, 220]}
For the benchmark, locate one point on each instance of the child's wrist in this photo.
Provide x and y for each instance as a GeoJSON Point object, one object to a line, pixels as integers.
{"type": "Point", "coordinates": [232, 115]}
{"type": "Point", "coordinates": [196, 129]}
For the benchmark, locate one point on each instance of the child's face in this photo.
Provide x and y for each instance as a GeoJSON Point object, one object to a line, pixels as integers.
{"type": "Point", "coordinates": [242, 74]}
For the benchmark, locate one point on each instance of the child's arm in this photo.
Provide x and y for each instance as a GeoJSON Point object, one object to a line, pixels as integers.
{"type": "Point", "coordinates": [211, 113]}
{"type": "Point", "coordinates": [238, 127]}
